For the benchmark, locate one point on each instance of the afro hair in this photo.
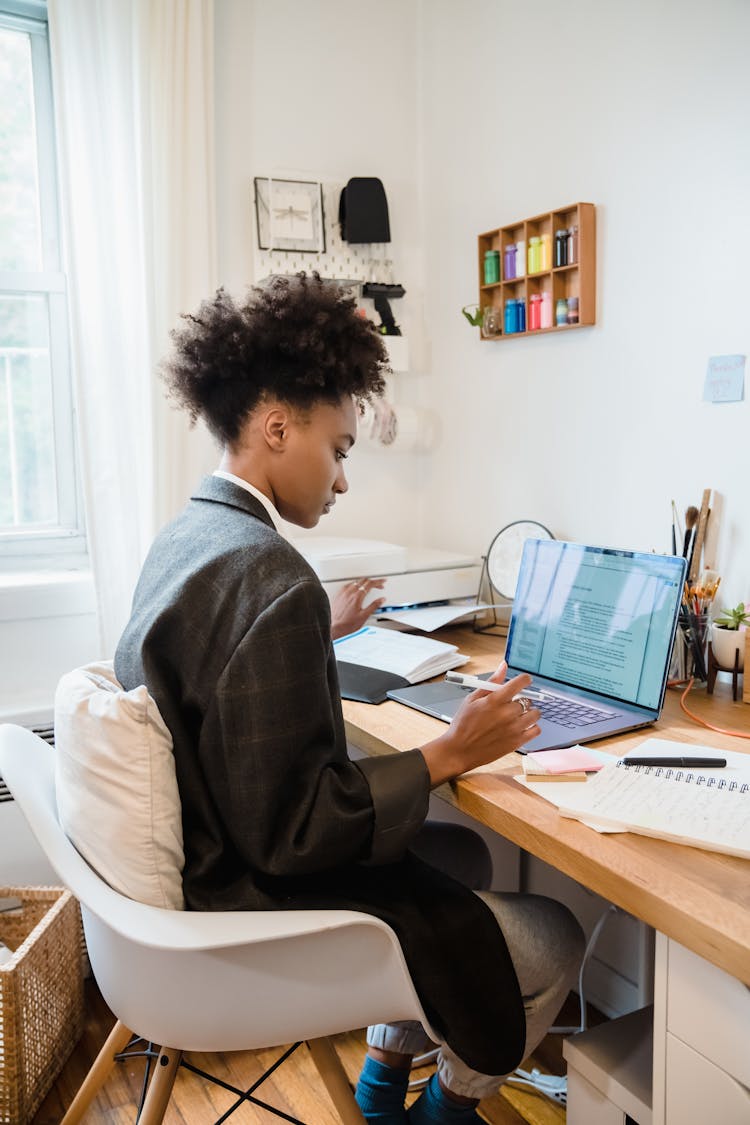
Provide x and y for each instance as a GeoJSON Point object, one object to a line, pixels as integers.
{"type": "Point", "coordinates": [299, 340]}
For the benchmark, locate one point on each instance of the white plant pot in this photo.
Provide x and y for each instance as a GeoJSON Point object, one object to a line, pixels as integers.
{"type": "Point", "coordinates": [725, 642]}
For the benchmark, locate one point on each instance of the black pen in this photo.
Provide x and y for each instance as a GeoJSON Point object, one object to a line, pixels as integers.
{"type": "Point", "coordinates": [682, 763]}
{"type": "Point", "coordinates": [416, 605]}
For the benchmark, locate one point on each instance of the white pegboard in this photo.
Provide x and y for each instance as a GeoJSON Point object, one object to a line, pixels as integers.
{"type": "Point", "coordinates": [356, 262]}
{"type": "Point", "coordinates": [412, 430]}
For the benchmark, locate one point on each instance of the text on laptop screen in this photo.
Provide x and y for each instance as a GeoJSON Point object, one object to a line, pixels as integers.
{"type": "Point", "coordinates": [602, 620]}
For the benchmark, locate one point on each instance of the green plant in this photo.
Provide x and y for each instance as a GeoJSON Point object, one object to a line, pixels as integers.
{"type": "Point", "coordinates": [474, 314]}
{"type": "Point", "coordinates": [733, 618]}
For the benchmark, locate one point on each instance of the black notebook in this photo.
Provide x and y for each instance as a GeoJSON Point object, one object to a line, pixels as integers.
{"type": "Point", "coordinates": [366, 685]}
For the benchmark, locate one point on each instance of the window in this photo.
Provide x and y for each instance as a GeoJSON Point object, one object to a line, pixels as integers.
{"type": "Point", "coordinates": [40, 509]}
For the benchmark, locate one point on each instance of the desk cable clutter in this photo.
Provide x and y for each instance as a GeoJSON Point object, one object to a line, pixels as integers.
{"type": "Point", "coordinates": [697, 718]}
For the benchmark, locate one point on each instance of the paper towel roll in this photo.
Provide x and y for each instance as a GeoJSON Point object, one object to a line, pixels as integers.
{"type": "Point", "coordinates": [402, 429]}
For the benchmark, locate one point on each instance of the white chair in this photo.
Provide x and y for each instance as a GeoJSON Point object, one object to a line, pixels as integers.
{"type": "Point", "coordinates": [209, 982]}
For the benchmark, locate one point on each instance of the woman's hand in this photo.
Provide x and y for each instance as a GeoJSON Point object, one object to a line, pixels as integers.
{"type": "Point", "coordinates": [489, 725]}
{"type": "Point", "coordinates": [350, 607]}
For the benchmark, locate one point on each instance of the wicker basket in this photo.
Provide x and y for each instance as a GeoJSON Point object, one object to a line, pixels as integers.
{"type": "Point", "coordinates": [41, 996]}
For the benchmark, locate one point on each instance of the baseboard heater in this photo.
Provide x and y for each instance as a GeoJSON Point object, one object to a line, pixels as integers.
{"type": "Point", "coordinates": [22, 862]}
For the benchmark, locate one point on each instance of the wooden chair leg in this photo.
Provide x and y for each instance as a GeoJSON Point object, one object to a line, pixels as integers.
{"type": "Point", "coordinates": [118, 1039]}
{"type": "Point", "coordinates": [334, 1078]}
{"type": "Point", "coordinates": [157, 1098]}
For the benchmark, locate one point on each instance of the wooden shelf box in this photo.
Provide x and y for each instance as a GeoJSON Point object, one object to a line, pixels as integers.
{"type": "Point", "coordinates": [576, 279]}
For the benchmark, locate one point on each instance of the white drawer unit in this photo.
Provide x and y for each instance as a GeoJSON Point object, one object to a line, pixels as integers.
{"type": "Point", "coordinates": [693, 1070]}
{"type": "Point", "coordinates": [701, 1041]}
{"type": "Point", "coordinates": [710, 1011]}
{"type": "Point", "coordinates": [700, 1093]}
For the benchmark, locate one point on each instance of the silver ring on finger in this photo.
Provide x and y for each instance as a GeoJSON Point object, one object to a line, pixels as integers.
{"type": "Point", "coordinates": [525, 703]}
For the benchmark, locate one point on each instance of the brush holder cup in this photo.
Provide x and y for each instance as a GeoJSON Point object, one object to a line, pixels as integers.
{"type": "Point", "coordinates": [695, 630]}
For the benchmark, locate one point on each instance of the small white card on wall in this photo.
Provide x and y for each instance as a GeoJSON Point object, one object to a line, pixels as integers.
{"type": "Point", "coordinates": [725, 379]}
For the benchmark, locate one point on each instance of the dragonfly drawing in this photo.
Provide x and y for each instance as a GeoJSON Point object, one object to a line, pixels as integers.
{"type": "Point", "coordinates": [289, 214]}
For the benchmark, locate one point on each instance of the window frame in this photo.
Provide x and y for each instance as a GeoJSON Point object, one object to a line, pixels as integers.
{"type": "Point", "coordinates": [65, 543]}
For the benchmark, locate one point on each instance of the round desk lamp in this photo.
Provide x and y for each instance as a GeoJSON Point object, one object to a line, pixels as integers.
{"type": "Point", "coordinates": [501, 565]}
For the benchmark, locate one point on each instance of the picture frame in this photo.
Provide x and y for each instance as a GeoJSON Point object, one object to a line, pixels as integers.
{"type": "Point", "coordinates": [289, 215]}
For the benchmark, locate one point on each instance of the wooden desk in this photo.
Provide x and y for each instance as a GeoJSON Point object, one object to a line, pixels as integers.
{"type": "Point", "coordinates": [699, 898]}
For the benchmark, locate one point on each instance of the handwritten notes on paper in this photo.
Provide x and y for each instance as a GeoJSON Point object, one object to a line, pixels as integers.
{"type": "Point", "coordinates": [684, 806]}
{"type": "Point", "coordinates": [725, 379]}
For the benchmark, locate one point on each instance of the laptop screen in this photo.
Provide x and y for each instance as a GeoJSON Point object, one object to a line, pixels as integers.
{"type": "Point", "coordinates": [595, 618]}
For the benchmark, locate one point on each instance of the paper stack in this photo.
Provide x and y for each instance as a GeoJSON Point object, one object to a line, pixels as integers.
{"type": "Point", "coordinates": [431, 617]}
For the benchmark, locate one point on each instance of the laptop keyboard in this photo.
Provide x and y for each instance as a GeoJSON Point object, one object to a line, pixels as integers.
{"type": "Point", "coordinates": [572, 713]}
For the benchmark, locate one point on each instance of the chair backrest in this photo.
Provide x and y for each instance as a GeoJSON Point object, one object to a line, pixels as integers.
{"type": "Point", "coordinates": [215, 981]}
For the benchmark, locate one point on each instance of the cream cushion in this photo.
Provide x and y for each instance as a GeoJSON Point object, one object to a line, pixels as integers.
{"type": "Point", "coordinates": [116, 787]}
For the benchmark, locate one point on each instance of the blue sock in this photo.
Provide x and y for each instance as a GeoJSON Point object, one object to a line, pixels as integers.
{"type": "Point", "coordinates": [381, 1091]}
{"type": "Point", "coordinates": [432, 1107]}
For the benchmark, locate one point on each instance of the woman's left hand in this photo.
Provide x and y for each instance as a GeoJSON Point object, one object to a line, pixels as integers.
{"type": "Point", "coordinates": [350, 607]}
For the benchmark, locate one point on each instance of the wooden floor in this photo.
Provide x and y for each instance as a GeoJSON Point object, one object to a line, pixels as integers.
{"type": "Point", "coordinates": [295, 1088]}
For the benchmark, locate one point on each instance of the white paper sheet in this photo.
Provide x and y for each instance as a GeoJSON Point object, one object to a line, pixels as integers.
{"type": "Point", "coordinates": [430, 617]}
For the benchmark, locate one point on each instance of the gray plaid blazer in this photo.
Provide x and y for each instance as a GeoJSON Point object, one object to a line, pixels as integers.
{"type": "Point", "coordinates": [230, 632]}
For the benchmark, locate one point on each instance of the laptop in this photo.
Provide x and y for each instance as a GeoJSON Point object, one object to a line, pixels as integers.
{"type": "Point", "coordinates": [594, 627]}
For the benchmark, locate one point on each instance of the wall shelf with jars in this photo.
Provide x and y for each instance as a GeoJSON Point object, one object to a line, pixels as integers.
{"type": "Point", "coordinates": [539, 275]}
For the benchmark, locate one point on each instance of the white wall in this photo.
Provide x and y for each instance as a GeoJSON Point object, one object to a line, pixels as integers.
{"type": "Point", "coordinates": [47, 626]}
{"type": "Point", "coordinates": [328, 91]}
{"type": "Point", "coordinates": [476, 116]}
{"type": "Point", "coordinates": [642, 109]}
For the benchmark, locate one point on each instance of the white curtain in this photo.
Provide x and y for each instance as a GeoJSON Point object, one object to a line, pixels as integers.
{"type": "Point", "coordinates": [133, 84]}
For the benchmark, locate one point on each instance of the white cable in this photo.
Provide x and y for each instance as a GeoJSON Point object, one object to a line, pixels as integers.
{"type": "Point", "coordinates": [551, 1085]}
{"type": "Point", "coordinates": [422, 1060]}
{"type": "Point", "coordinates": [419, 1083]}
{"type": "Point", "coordinates": [611, 909]}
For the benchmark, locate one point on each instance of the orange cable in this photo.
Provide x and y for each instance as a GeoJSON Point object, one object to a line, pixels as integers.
{"type": "Point", "coordinates": [697, 718]}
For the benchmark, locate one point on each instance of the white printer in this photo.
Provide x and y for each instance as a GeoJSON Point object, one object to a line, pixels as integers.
{"type": "Point", "coordinates": [412, 574]}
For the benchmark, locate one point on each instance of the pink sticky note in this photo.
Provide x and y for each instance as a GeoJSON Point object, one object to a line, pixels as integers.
{"type": "Point", "coordinates": [570, 760]}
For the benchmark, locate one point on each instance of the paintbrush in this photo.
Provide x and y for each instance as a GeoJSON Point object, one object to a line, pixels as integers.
{"type": "Point", "coordinates": [691, 519]}
{"type": "Point", "coordinates": [699, 538]}
{"type": "Point", "coordinates": [676, 529]}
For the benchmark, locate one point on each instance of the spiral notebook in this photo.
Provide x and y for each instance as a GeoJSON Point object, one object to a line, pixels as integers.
{"type": "Point", "coordinates": [706, 809]}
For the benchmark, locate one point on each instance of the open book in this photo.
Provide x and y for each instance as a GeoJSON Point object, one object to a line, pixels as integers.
{"type": "Point", "coordinates": [415, 658]}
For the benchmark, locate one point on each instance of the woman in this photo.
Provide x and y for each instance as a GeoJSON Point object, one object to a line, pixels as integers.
{"type": "Point", "coordinates": [231, 633]}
